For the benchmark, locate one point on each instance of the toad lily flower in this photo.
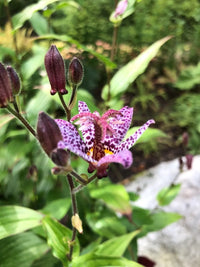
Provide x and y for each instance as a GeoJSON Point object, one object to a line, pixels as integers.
{"type": "Point", "coordinates": [102, 141]}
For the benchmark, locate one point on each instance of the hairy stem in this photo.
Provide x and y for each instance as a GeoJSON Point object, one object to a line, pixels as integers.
{"type": "Point", "coordinates": [23, 120]}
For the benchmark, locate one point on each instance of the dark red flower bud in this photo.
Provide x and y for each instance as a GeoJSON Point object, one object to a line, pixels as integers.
{"type": "Point", "coordinates": [55, 68]}
{"type": "Point", "coordinates": [189, 160]}
{"type": "Point", "coordinates": [75, 72]}
{"type": "Point", "coordinates": [48, 133]}
{"type": "Point", "coordinates": [15, 81]}
{"type": "Point", "coordinates": [6, 95]}
{"type": "Point", "coordinates": [60, 157]}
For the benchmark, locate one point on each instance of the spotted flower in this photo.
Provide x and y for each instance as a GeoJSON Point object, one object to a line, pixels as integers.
{"type": "Point", "coordinates": [102, 137]}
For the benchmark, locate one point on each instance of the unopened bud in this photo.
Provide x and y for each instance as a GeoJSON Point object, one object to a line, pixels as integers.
{"type": "Point", "coordinates": [15, 81]}
{"type": "Point", "coordinates": [77, 223]}
{"type": "Point", "coordinates": [6, 95]}
{"type": "Point", "coordinates": [60, 157]}
{"type": "Point", "coordinates": [55, 68]}
{"type": "Point", "coordinates": [121, 7]}
{"type": "Point", "coordinates": [48, 133]}
{"type": "Point", "coordinates": [189, 160]}
{"type": "Point", "coordinates": [75, 72]}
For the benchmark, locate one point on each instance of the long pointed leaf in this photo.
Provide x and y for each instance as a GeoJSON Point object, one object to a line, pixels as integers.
{"type": "Point", "coordinates": [14, 220]}
{"type": "Point", "coordinates": [127, 74]}
{"type": "Point", "coordinates": [21, 250]}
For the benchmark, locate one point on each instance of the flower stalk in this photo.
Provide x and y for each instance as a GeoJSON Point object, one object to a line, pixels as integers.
{"type": "Point", "coordinates": [23, 120]}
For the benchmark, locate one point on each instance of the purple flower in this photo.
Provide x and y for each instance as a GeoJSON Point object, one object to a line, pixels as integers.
{"type": "Point", "coordinates": [102, 141]}
{"type": "Point", "coordinates": [121, 7]}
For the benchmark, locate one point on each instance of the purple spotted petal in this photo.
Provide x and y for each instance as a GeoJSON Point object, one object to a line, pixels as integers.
{"type": "Point", "coordinates": [82, 107]}
{"type": "Point", "coordinates": [123, 157]}
{"type": "Point", "coordinates": [72, 140]}
{"type": "Point", "coordinates": [88, 131]}
{"type": "Point", "coordinates": [124, 120]}
{"type": "Point", "coordinates": [129, 142]}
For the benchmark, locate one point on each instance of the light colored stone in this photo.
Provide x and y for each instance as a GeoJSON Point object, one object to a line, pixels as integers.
{"type": "Point", "coordinates": [178, 244]}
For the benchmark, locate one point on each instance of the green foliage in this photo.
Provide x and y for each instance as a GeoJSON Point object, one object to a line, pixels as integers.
{"type": "Point", "coordinates": [114, 196]}
{"type": "Point", "coordinates": [21, 250]}
{"type": "Point", "coordinates": [126, 75]}
{"type": "Point", "coordinates": [166, 195]}
{"type": "Point", "coordinates": [16, 219]}
{"type": "Point", "coordinates": [33, 236]}
{"type": "Point", "coordinates": [188, 78]}
{"type": "Point", "coordinates": [186, 113]}
{"type": "Point", "coordinates": [58, 238]}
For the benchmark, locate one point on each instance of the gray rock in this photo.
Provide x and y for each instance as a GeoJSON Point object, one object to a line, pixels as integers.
{"type": "Point", "coordinates": [178, 244]}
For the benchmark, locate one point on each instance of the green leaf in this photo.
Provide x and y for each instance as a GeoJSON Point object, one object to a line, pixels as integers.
{"type": "Point", "coordinates": [127, 74]}
{"type": "Point", "coordinates": [14, 220]}
{"type": "Point", "coordinates": [58, 238]}
{"type": "Point", "coordinates": [160, 220]}
{"type": "Point", "coordinates": [41, 101]}
{"type": "Point", "coordinates": [115, 197]}
{"type": "Point", "coordinates": [133, 196]}
{"type": "Point", "coordinates": [116, 246]}
{"type": "Point", "coordinates": [19, 19]}
{"type": "Point", "coordinates": [21, 250]}
{"type": "Point", "coordinates": [106, 226]}
{"type": "Point", "coordinates": [141, 216]}
{"type": "Point", "coordinates": [47, 260]}
{"type": "Point", "coordinates": [188, 78]}
{"type": "Point", "coordinates": [39, 24]}
{"type": "Point", "coordinates": [148, 135]}
{"type": "Point", "coordinates": [30, 66]}
{"type": "Point", "coordinates": [166, 195]}
{"type": "Point", "coordinates": [5, 118]}
{"type": "Point", "coordinates": [57, 208]}
{"type": "Point", "coordinates": [68, 39]}
{"type": "Point", "coordinates": [93, 260]}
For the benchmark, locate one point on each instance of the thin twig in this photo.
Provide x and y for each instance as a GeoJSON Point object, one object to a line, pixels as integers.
{"type": "Point", "coordinates": [78, 177]}
{"type": "Point", "coordinates": [80, 187]}
{"type": "Point", "coordinates": [23, 120]}
{"type": "Point", "coordinates": [67, 111]}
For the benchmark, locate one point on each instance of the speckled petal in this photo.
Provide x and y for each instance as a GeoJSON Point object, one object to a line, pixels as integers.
{"type": "Point", "coordinates": [129, 142]}
{"type": "Point", "coordinates": [82, 107]}
{"type": "Point", "coordinates": [88, 131]}
{"type": "Point", "coordinates": [123, 157]}
{"type": "Point", "coordinates": [120, 125]}
{"type": "Point", "coordinates": [72, 140]}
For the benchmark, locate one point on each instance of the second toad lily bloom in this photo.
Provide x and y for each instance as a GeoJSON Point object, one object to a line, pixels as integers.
{"type": "Point", "coordinates": [102, 141]}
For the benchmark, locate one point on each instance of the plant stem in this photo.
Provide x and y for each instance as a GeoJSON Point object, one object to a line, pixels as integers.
{"type": "Point", "coordinates": [23, 120]}
{"type": "Point", "coordinates": [67, 111]}
{"type": "Point", "coordinates": [73, 96]}
{"type": "Point", "coordinates": [78, 177]}
{"type": "Point", "coordinates": [74, 211]}
{"type": "Point", "coordinates": [80, 187]}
